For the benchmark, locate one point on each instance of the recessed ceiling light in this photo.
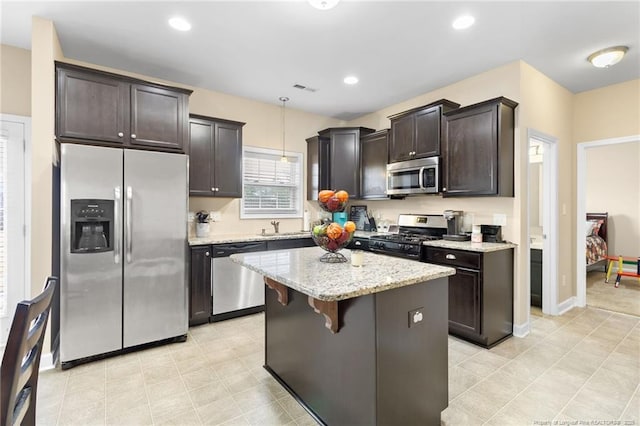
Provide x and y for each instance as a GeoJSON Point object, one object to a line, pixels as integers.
{"type": "Point", "coordinates": [352, 79]}
{"type": "Point", "coordinates": [463, 22]}
{"type": "Point", "coordinates": [323, 4]}
{"type": "Point", "coordinates": [179, 24]}
{"type": "Point", "coordinates": [606, 57]}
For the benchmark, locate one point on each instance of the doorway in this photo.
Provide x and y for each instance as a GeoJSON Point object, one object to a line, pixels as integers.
{"type": "Point", "coordinates": [614, 219]}
{"type": "Point", "coordinates": [542, 234]}
{"type": "Point", "coordinates": [14, 188]}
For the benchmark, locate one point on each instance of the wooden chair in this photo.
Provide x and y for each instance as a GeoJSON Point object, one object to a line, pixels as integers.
{"type": "Point", "coordinates": [21, 360]}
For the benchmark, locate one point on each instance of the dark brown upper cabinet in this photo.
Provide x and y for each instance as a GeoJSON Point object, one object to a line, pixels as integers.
{"type": "Point", "coordinates": [215, 157]}
{"type": "Point", "coordinates": [478, 149]}
{"type": "Point", "coordinates": [97, 107]}
{"type": "Point", "coordinates": [416, 133]}
{"type": "Point", "coordinates": [317, 166]}
{"type": "Point", "coordinates": [339, 164]}
{"type": "Point", "coordinates": [374, 156]}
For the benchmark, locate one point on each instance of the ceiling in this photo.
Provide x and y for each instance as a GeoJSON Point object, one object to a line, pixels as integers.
{"type": "Point", "coordinates": [399, 50]}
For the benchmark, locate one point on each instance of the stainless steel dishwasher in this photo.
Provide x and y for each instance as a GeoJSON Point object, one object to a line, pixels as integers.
{"type": "Point", "coordinates": [236, 290]}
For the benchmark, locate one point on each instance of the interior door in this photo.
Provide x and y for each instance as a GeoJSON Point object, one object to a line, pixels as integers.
{"type": "Point", "coordinates": [13, 286]}
{"type": "Point", "coordinates": [155, 247]}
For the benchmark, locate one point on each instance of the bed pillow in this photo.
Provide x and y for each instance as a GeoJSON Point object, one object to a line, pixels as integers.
{"type": "Point", "coordinates": [593, 227]}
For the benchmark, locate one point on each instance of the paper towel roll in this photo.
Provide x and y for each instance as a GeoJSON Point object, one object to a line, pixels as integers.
{"type": "Point", "coordinates": [305, 221]}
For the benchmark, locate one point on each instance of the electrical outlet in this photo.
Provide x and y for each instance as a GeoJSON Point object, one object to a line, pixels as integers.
{"type": "Point", "coordinates": [500, 219]}
{"type": "Point", "coordinates": [215, 216]}
{"type": "Point", "coordinates": [415, 317]}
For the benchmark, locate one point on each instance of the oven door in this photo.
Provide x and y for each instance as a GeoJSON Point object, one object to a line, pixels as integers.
{"type": "Point", "coordinates": [413, 177]}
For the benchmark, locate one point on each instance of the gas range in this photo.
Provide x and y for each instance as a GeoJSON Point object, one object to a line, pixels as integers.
{"type": "Point", "coordinates": [413, 230]}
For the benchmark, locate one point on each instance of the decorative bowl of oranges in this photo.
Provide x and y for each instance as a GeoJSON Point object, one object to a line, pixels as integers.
{"type": "Point", "coordinates": [332, 237]}
{"type": "Point", "coordinates": [333, 201]}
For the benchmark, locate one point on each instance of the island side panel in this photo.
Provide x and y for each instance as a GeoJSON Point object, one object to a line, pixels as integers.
{"type": "Point", "coordinates": [412, 364]}
{"type": "Point", "coordinates": [334, 374]}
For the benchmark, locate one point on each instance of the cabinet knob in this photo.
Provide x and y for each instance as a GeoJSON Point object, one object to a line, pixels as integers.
{"type": "Point", "coordinates": [213, 189]}
{"type": "Point", "coordinates": [451, 256]}
{"type": "Point", "coordinates": [444, 189]}
{"type": "Point", "coordinates": [217, 189]}
{"type": "Point", "coordinates": [133, 135]}
{"type": "Point", "coordinates": [206, 253]}
{"type": "Point", "coordinates": [120, 134]}
{"type": "Point", "coordinates": [358, 243]}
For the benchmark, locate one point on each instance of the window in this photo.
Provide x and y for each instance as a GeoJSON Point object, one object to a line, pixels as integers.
{"type": "Point", "coordinates": [271, 188]}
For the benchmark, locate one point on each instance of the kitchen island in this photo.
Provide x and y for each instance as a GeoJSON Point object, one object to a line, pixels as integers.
{"type": "Point", "coordinates": [356, 345]}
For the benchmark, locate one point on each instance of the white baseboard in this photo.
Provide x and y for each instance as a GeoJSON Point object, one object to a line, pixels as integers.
{"type": "Point", "coordinates": [521, 330]}
{"type": "Point", "coordinates": [567, 305]}
{"type": "Point", "coordinates": [46, 361]}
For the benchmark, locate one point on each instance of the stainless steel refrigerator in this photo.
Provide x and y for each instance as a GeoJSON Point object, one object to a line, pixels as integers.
{"type": "Point", "coordinates": [123, 247]}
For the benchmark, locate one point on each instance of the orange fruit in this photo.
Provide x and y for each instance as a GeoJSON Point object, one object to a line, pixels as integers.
{"type": "Point", "coordinates": [342, 196]}
{"type": "Point", "coordinates": [334, 231]}
{"type": "Point", "coordinates": [349, 227]}
{"type": "Point", "coordinates": [324, 195]}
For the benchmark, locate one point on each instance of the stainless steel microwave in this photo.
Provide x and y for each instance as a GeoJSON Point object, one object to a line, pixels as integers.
{"type": "Point", "coordinates": [420, 176]}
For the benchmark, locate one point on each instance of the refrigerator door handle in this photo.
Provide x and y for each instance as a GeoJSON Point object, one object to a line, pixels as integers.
{"type": "Point", "coordinates": [127, 231]}
{"type": "Point", "coordinates": [117, 238]}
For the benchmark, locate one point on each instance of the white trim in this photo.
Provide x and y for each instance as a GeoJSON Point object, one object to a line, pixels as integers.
{"type": "Point", "coordinates": [522, 330]}
{"type": "Point", "coordinates": [567, 305]}
{"type": "Point", "coordinates": [581, 210]}
{"type": "Point", "coordinates": [550, 221]}
{"type": "Point", "coordinates": [46, 362]}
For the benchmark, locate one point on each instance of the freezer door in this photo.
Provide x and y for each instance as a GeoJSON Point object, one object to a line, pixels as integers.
{"type": "Point", "coordinates": [90, 283]}
{"type": "Point", "coordinates": [155, 246]}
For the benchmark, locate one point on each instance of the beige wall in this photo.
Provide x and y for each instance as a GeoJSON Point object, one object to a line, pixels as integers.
{"type": "Point", "coordinates": [15, 80]}
{"type": "Point", "coordinates": [613, 186]}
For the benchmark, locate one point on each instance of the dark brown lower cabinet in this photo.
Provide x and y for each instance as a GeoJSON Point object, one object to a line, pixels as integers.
{"type": "Point", "coordinates": [480, 293]}
{"type": "Point", "coordinates": [200, 285]}
{"type": "Point", "coordinates": [536, 278]}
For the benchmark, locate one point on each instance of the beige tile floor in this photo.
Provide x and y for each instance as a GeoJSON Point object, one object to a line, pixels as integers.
{"type": "Point", "coordinates": [625, 298]}
{"type": "Point", "coordinates": [582, 366]}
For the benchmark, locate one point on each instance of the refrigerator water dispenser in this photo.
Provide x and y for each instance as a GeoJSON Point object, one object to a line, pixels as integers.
{"type": "Point", "coordinates": [91, 226]}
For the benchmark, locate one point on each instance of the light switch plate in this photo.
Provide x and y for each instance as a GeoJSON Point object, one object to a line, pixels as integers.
{"type": "Point", "coordinates": [500, 219]}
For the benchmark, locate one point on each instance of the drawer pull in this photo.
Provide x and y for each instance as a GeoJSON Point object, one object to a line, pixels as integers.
{"type": "Point", "coordinates": [451, 256]}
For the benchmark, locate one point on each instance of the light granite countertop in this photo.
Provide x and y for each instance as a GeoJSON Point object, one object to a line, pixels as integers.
{"type": "Point", "coordinates": [239, 238]}
{"type": "Point", "coordinates": [301, 270]}
{"type": "Point", "coordinates": [470, 246]}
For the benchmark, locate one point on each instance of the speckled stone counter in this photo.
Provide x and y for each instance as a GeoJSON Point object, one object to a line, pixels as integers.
{"type": "Point", "coordinates": [356, 345]}
{"type": "Point", "coordinates": [301, 270]}
{"type": "Point", "coordinates": [237, 238]}
{"type": "Point", "coordinates": [469, 246]}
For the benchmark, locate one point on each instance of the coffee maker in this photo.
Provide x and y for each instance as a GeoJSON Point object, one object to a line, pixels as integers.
{"type": "Point", "coordinates": [454, 226]}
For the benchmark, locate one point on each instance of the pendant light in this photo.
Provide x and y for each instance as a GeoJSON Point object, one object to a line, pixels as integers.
{"type": "Point", "coordinates": [283, 99]}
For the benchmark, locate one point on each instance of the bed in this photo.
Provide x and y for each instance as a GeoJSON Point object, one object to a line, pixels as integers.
{"type": "Point", "coordinates": [596, 234]}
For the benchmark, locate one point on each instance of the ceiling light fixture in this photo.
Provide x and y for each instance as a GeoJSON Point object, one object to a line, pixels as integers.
{"type": "Point", "coordinates": [283, 99]}
{"type": "Point", "coordinates": [607, 57]}
{"type": "Point", "coordinates": [351, 79]}
{"type": "Point", "coordinates": [179, 24]}
{"type": "Point", "coordinates": [463, 22]}
{"type": "Point", "coordinates": [323, 4]}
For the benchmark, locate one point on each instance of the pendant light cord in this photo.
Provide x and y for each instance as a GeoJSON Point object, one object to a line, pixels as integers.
{"type": "Point", "coordinates": [284, 99]}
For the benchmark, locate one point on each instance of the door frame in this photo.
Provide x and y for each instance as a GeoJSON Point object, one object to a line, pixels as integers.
{"type": "Point", "coordinates": [550, 220]}
{"type": "Point", "coordinates": [581, 209]}
{"type": "Point", "coordinates": [26, 124]}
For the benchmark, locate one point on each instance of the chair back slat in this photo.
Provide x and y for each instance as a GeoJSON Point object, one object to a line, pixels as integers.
{"type": "Point", "coordinates": [21, 360]}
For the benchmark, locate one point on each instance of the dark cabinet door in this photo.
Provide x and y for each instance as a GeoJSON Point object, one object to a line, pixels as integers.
{"type": "Point", "coordinates": [158, 117]}
{"type": "Point", "coordinates": [464, 301]}
{"type": "Point", "coordinates": [478, 149]}
{"type": "Point", "coordinates": [344, 150]}
{"type": "Point", "coordinates": [373, 165]}
{"type": "Point", "coordinates": [472, 153]}
{"type": "Point", "coordinates": [536, 278]}
{"type": "Point", "coordinates": [427, 125]}
{"type": "Point", "coordinates": [200, 286]}
{"type": "Point", "coordinates": [290, 243]}
{"type": "Point", "coordinates": [402, 138]}
{"type": "Point", "coordinates": [201, 157]}
{"type": "Point", "coordinates": [215, 157]}
{"type": "Point", "coordinates": [91, 107]}
{"type": "Point", "coordinates": [317, 166]}
{"type": "Point", "coordinates": [227, 165]}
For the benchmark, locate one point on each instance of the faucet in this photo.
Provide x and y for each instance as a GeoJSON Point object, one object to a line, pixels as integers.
{"type": "Point", "coordinates": [275, 226]}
